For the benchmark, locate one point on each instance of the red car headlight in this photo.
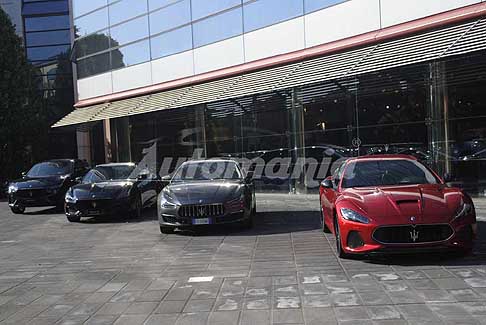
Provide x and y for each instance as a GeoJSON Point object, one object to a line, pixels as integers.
{"type": "Point", "coordinates": [352, 215]}
{"type": "Point", "coordinates": [464, 210]}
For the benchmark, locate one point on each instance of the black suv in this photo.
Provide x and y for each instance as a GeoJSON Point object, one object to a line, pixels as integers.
{"type": "Point", "coordinates": [45, 184]}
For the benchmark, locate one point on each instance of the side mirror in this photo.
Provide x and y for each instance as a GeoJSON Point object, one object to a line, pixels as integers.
{"type": "Point", "coordinates": [447, 178]}
{"type": "Point", "coordinates": [142, 177]}
{"type": "Point", "coordinates": [166, 178]}
{"type": "Point", "coordinates": [327, 183]}
{"type": "Point", "coordinates": [24, 174]}
{"type": "Point", "coordinates": [78, 179]}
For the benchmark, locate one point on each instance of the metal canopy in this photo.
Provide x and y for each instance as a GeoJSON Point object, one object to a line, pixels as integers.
{"type": "Point", "coordinates": [432, 45]}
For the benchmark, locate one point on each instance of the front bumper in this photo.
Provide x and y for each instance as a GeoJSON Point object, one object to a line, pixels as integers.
{"type": "Point", "coordinates": [93, 208]}
{"type": "Point", "coordinates": [462, 238]}
{"type": "Point", "coordinates": [35, 198]}
{"type": "Point", "coordinates": [172, 218]}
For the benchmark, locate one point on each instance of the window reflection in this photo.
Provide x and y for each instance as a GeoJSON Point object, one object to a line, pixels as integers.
{"type": "Point", "coordinates": [93, 43]}
{"type": "Point", "coordinates": [126, 9]}
{"type": "Point", "coordinates": [170, 17]}
{"type": "Point", "coordinates": [263, 13]}
{"type": "Point", "coordinates": [46, 53]}
{"type": "Point", "coordinates": [130, 31]}
{"type": "Point", "coordinates": [48, 38]}
{"type": "Point", "coordinates": [45, 7]}
{"type": "Point", "coordinates": [209, 30]}
{"type": "Point", "coordinates": [93, 65]}
{"type": "Point", "coordinates": [91, 23]}
{"type": "Point", "coordinates": [81, 7]}
{"type": "Point", "coordinates": [313, 5]}
{"type": "Point", "coordinates": [203, 8]}
{"type": "Point", "coordinates": [132, 54]}
{"type": "Point", "coordinates": [172, 42]}
{"type": "Point", "coordinates": [46, 23]}
{"type": "Point", "coordinates": [154, 4]}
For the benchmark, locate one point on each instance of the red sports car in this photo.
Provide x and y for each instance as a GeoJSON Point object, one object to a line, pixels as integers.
{"type": "Point", "coordinates": [394, 203]}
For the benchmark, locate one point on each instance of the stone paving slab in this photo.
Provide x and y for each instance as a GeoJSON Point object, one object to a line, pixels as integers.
{"type": "Point", "coordinates": [284, 271]}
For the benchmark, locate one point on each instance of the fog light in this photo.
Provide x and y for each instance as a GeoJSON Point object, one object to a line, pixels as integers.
{"type": "Point", "coordinates": [355, 240]}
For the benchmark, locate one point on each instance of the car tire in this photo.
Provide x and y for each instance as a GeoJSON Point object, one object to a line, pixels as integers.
{"type": "Point", "coordinates": [74, 219]}
{"type": "Point", "coordinates": [324, 227]}
{"type": "Point", "coordinates": [136, 211]}
{"type": "Point", "coordinates": [17, 209]}
{"type": "Point", "coordinates": [166, 230]}
{"type": "Point", "coordinates": [339, 247]}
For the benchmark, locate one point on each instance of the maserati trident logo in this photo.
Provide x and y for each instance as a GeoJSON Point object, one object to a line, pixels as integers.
{"type": "Point", "coordinates": [94, 204]}
{"type": "Point", "coordinates": [201, 211]}
{"type": "Point", "coordinates": [414, 235]}
{"type": "Point", "coordinates": [412, 219]}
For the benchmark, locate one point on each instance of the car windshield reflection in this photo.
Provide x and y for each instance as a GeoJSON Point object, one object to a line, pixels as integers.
{"type": "Point", "coordinates": [207, 170]}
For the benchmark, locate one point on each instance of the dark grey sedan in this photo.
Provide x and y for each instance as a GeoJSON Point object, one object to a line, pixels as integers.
{"type": "Point", "coordinates": [207, 192]}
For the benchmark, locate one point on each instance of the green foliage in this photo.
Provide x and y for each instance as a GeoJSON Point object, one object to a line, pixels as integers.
{"type": "Point", "coordinates": [21, 118]}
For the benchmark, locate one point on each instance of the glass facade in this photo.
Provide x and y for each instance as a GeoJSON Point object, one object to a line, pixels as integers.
{"type": "Point", "coordinates": [433, 111]}
{"type": "Point", "coordinates": [101, 26]}
{"type": "Point", "coordinates": [47, 38]}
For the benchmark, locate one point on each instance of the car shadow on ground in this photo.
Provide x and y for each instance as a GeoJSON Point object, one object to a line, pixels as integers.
{"type": "Point", "coordinates": [42, 211]}
{"type": "Point", "coordinates": [148, 214]}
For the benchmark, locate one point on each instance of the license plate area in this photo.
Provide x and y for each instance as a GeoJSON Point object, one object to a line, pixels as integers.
{"type": "Point", "coordinates": [201, 221]}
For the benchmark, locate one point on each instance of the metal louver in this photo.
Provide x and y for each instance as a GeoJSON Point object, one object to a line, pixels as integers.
{"type": "Point", "coordinates": [432, 45]}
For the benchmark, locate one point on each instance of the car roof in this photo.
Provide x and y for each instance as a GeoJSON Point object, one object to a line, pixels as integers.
{"type": "Point", "coordinates": [116, 164]}
{"type": "Point", "coordinates": [383, 157]}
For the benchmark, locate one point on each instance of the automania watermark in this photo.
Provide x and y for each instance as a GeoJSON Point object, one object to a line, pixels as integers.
{"type": "Point", "coordinates": [280, 169]}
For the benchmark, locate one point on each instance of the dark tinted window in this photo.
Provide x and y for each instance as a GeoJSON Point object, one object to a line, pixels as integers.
{"type": "Point", "coordinates": [385, 173]}
{"type": "Point", "coordinates": [203, 8]}
{"type": "Point", "coordinates": [116, 172]}
{"type": "Point", "coordinates": [47, 52]}
{"type": "Point", "coordinates": [51, 168]}
{"type": "Point", "coordinates": [263, 13]}
{"type": "Point", "coordinates": [207, 170]}
{"type": "Point", "coordinates": [45, 7]}
{"type": "Point", "coordinates": [172, 42]}
{"type": "Point", "coordinates": [46, 23]}
{"type": "Point", "coordinates": [93, 176]}
{"type": "Point", "coordinates": [217, 28]}
{"type": "Point", "coordinates": [170, 17]}
{"type": "Point", "coordinates": [93, 65]}
{"type": "Point", "coordinates": [48, 38]}
{"type": "Point", "coordinates": [313, 5]}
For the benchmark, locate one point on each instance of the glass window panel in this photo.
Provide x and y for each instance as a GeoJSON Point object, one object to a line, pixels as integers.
{"type": "Point", "coordinates": [92, 44]}
{"type": "Point", "coordinates": [93, 65]}
{"type": "Point", "coordinates": [81, 7]}
{"type": "Point", "coordinates": [263, 13]}
{"type": "Point", "coordinates": [91, 23]}
{"type": "Point", "coordinates": [130, 31]}
{"type": "Point", "coordinates": [203, 8]}
{"type": "Point", "coordinates": [47, 52]}
{"type": "Point", "coordinates": [48, 38]}
{"type": "Point", "coordinates": [131, 54]}
{"type": "Point", "coordinates": [45, 7]}
{"type": "Point", "coordinates": [172, 42]}
{"type": "Point", "coordinates": [46, 23]}
{"type": "Point", "coordinates": [170, 17]}
{"type": "Point", "coordinates": [154, 4]}
{"type": "Point", "coordinates": [126, 9]}
{"type": "Point", "coordinates": [313, 5]}
{"type": "Point", "coordinates": [218, 27]}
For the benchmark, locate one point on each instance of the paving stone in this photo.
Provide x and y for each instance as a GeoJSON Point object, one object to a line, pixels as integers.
{"type": "Point", "coordinates": [253, 317]}
{"type": "Point", "coordinates": [162, 319]}
{"type": "Point", "coordinates": [194, 305]}
{"type": "Point", "coordinates": [288, 316]}
{"type": "Point", "coordinates": [318, 316]}
{"type": "Point", "coordinates": [224, 318]}
{"type": "Point", "coordinates": [113, 308]}
{"type": "Point", "coordinates": [130, 320]}
{"type": "Point", "coordinates": [193, 318]}
{"type": "Point", "coordinates": [351, 313]}
{"type": "Point", "coordinates": [170, 307]}
{"type": "Point", "coordinates": [383, 312]}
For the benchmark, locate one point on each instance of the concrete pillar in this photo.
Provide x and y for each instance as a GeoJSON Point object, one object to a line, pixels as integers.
{"type": "Point", "coordinates": [107, 141]}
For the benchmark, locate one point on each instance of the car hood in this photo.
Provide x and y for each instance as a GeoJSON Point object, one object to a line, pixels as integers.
{"type": "Point", "coordinates": [103, 190]}
{"type": "Point", "coordinates": [207, 192]}
{"type": "Point", "coordinates": [404, 204]}
{"type": "Point", "coordinates": [38, 182]}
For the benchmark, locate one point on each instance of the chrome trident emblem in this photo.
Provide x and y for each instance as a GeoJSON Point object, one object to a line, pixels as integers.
{"type": "Point", "coordinates": [414, 235]}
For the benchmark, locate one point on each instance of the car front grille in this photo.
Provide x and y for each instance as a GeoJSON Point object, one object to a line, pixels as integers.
{"type": "Point", "coordinates": [201, 211]}
{"type": "Point", "coordinates": [93, 204]}
{"type": "Point", "coordinates": [31, 193]}
{"type": "Point", "coordinates": [412, 234]}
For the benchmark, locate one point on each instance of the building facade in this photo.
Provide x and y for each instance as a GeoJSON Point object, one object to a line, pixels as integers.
{"type": "Point", "coordinates": [277, 79]}
{"type": "Point", "coordinates": [45, 29]}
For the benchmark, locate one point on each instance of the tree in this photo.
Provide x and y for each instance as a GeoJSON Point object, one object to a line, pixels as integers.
{"type": "Point", "coordinates": [20, 103]}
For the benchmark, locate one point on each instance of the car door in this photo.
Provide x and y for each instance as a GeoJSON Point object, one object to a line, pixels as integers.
{"type": "Point", "coordinates": [329, 195]}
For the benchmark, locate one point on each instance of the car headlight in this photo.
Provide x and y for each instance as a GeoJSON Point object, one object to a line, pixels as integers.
{"type": "Point", "coordinates": [352, 215]}
{"type": "Point", "coordinates": [12, 188]}
{"type": "Point", "coordinates": [165, 201]}
{"type": "Point", "coordinates": [70, 198]}
{"type": "Point", "coordinates": [465, 209]}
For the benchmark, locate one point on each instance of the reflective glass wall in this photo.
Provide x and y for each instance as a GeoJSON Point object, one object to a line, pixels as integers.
{"type": "Point", "coordinates": [434, 111]}
{"type": "Point", "coordinates": [47, 39]}
{"type": "Point", "coordinates": [114, 34]}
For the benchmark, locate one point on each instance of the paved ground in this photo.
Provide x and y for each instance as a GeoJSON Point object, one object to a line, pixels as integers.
{"type": "Point", "coordinates": [284, 271]}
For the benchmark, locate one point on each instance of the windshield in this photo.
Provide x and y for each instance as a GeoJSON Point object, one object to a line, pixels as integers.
{"type": "Point", "coordinates": [386, 173]}
{"type": "Point", "coordinates": [50, 168]}
{"type": "Point", "coordinates": [104, 173]}
{"type": "Point", "coordinates": [207, 170]}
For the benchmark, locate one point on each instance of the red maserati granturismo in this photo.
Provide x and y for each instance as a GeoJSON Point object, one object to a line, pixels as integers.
{"type": "Point", "coordinates": [394, 203]}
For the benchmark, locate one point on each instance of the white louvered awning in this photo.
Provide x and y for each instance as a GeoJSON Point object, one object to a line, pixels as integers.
{"type": "Point", "coordinates": [432, 45]}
